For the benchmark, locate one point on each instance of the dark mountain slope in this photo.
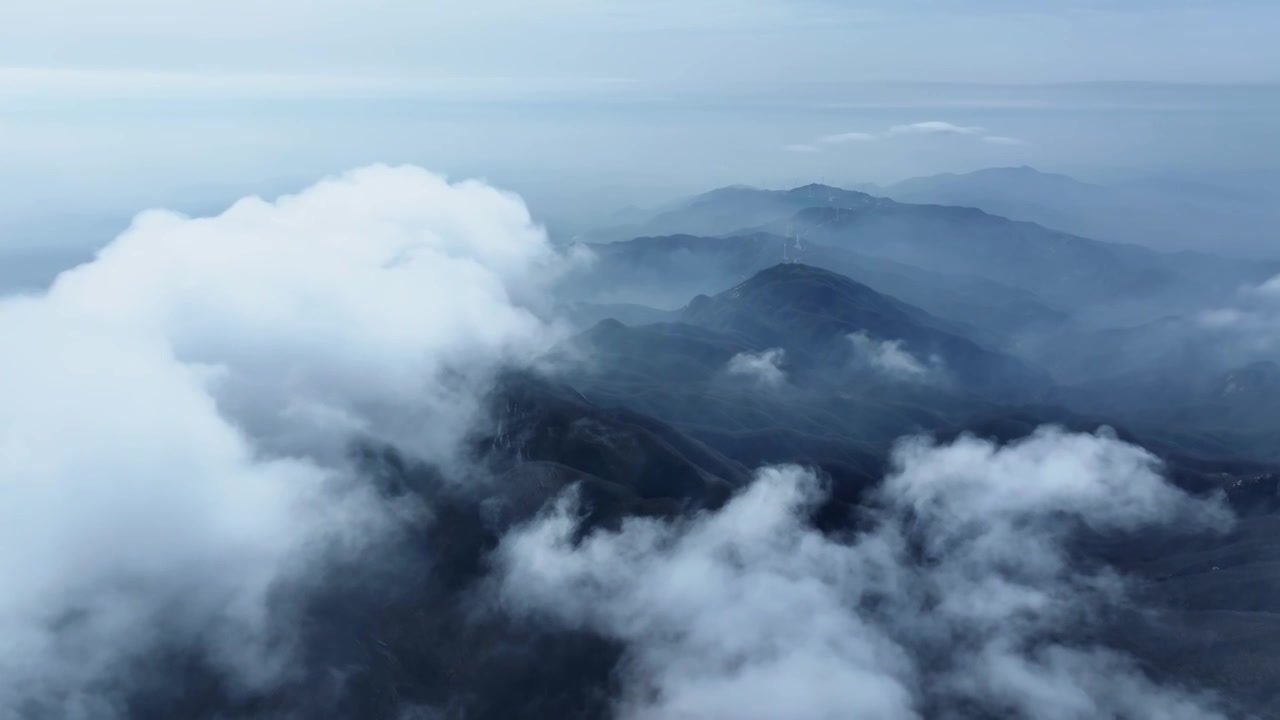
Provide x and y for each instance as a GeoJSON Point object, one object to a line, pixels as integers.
{"type": "Point", "coordinates": [829, 407]}
{"type": "Point", "coordinates": [412, 633]}
{"type": "Point", "coordinates": [407, 633]}
{"type": "Point", "coordinates": [813, 311]}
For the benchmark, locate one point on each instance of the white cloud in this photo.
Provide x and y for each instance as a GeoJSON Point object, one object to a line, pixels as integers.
{"type": "Point", "coordinates": [849, 137]}
{"type": "Point", "coordinates": [888, 358]}
{"type": "Point", "coordinates": [1249, 329]}
{"type": "Point", "coordinates": [933, 127]}
{"type": "Point", "coordinates": [1269, 289]}
{"type": "Point", "coordinates": [958, 593]}
{"type": "Point", "coordinates": [764, 368]}
{"type": "Point", "coordinates": [173, 435]}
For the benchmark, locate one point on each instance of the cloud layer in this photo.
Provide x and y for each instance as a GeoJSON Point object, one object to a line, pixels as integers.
{"type": "Point", "coordinates": [177, 414]}
{"type": "Point", "coordinates": [956, 600]}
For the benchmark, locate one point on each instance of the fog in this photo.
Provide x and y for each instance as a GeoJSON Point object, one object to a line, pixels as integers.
{"type": "Point", "coordinates": [78, 167]}
{"type": "Point", "coordinates": [107, 109]}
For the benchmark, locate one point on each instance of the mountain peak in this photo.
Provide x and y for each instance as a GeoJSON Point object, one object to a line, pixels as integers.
{"type": "Point", "coordinates": [795, 271]}
{"type": "Point", "coordinates": [825, 194]}
{"type": "Point", "coordinates": [776, 293]}
{"type": "Point", "coordinates": [793, 274]}
{"type": "Point", "coordinates": [811, 187]}
{"type": "Point", "coordinates": [812, 312]}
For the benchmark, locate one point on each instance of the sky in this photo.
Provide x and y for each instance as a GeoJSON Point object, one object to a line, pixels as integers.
{"type": "Point", "coordinates": [107, 108]}
{"type": "Point", "coordinates": [668, 42]}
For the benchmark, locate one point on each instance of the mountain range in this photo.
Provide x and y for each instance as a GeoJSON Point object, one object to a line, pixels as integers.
{"type": "Point", "coordinates": [1232, 216]}
{"type": "Point", "coordinates": [814, 327]}
{"type": "Point", "coordinates": [1089, 279]}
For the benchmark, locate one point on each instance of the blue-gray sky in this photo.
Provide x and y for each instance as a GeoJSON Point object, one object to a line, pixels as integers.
{"type": "Point", "coordinates": [681, 42]}
{"type": "Point", "coordinates": [109, 106]}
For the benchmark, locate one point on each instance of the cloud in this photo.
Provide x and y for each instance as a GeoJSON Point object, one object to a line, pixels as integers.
{"type": "Point", "coordinates": [177, 413]}
{"type": "Point", "coordinates": [933, 127]}
{"type": "Point", "coordinates": [958, 598]}
{"type": "Point", "coordinates": [1250, 328]}
{"type": "Point", "coordinates": [1269, 290]}
{"type": "Point", "coordinates": [764, 368]}
{"type": "Point", "coordinates": [888, 358]}
{"type": "Point", "coordinates": [849, 137]}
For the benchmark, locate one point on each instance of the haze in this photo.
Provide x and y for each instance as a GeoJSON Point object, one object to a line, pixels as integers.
{"type": "Point", "coordinates": [109, 107]}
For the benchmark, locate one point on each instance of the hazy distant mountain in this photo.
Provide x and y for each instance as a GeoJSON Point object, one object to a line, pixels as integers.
{"type": "Point", "coordinates": [1018, 193]}
{"type": "Point", "coordinates": [1066, 270]}
{"type": "Point", "coordinates": [1072, 274]}
{"type": "Point", "coordinates": [586, 314]}
{"type": "Point", "coordinates": [666, 271]}
{"type": "Point", "coordinates": [738, 206]}
{"type": "Point", "coordinates": [1088, 278]}
{"type": "Point", "coordinates": [1166, 213]}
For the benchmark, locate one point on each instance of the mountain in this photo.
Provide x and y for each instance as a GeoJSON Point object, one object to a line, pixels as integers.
{"type": "Point", "coordinates": [1071, 274]}
{"type": "Point", "coordinates": [644, 423]}
{"type": "Point", "coordinates": [1164, 212]}
{"type": "Point", "coordinates": [377, 643]}
{"type": "Point", "coordinates": [855, 370]}
{"type": "Point", "coordinates": [812, 311]}
{"type": "Point", "coordinates": [667, 271]}
{"type": "Point", "coordinates": [1065, 270]}
{"type": "Point", "coordinates": [1018, 193]}
{"type": "Point", "coordinates": [1088, 277]}
{"type": "Point", "coordinates": [1237, 407]}
{"type": "Point", "coordinates": [738, 206]}
{"type": "Point", "coordinates": [583, 315]}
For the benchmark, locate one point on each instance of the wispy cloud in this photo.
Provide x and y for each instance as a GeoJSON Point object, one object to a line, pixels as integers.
{"type": "Point", "coordinates": [934, 127]}
{"type": "Point", "coordinates": [1250, 327]}
{"type": "Point", "coordinates": [849, 137]}
{"type": "Point", "coordinates": [923, 128]}
{"type": "Point", "coordinates": [887, 357]}
{"type": "Point", "coordinates": [763, 368]}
